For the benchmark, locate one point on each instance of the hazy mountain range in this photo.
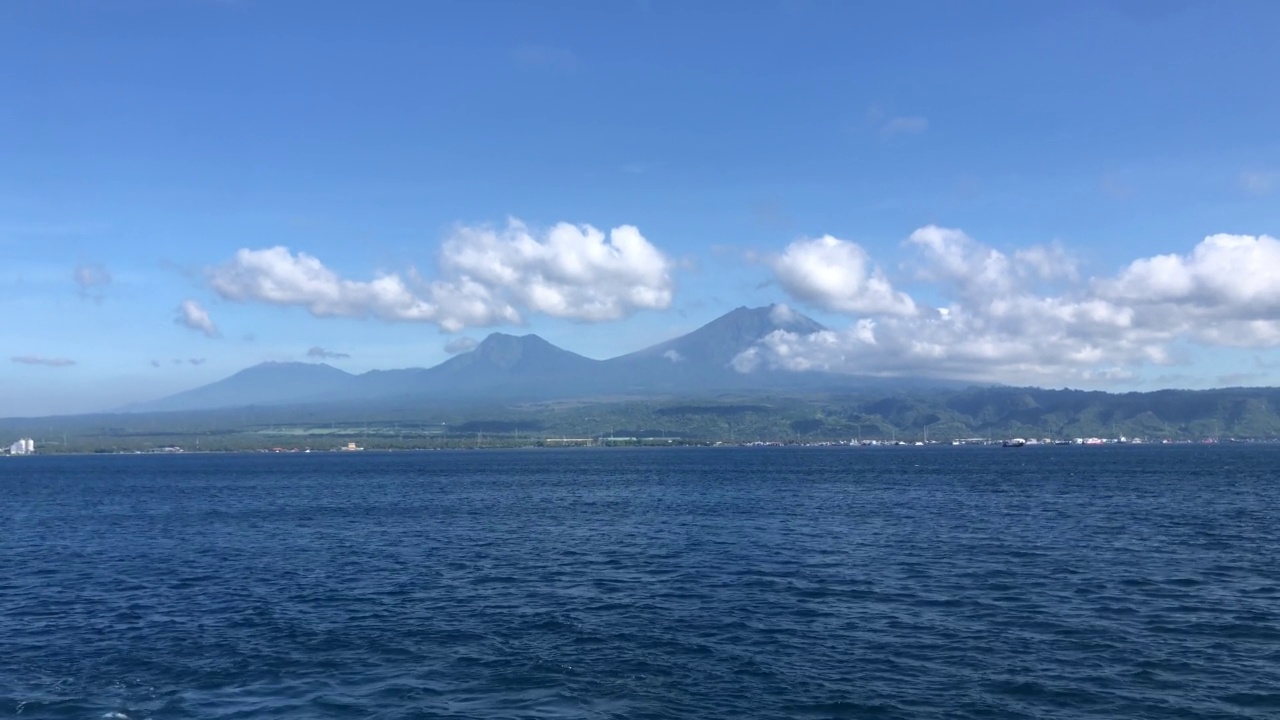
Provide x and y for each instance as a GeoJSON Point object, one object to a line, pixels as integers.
{"type": "Point", "coordinates": [525, 368]}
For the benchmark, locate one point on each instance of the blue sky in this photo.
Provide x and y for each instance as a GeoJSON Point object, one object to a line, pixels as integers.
{"type": "Point", "coordinates": [1058, 193]}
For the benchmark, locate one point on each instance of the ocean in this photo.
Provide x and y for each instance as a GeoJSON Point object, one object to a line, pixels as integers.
{"type": "Point", "coordinates": [934, 582]}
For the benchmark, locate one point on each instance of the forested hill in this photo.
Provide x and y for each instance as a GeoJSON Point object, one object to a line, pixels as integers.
{"type": "Point", "coordinates": [1036, 412]}
{"type": "Point", "coordinates": [938, 415]}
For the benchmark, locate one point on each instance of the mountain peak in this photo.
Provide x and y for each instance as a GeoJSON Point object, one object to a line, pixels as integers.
{"type": "Point", "coordinates": [290, 365]}
{"type": "Point", "coordinates": [719, 341]}
{"type": "Point", "coordinates": [505, 351]}
{"type": "Point", "coordinates": [519, 353]}
{"type": "Point", "coordinates": [768, 318]}
{"type": "Point", "coordinates": [267, 383]}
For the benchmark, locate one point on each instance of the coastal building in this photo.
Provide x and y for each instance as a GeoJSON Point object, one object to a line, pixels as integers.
{"type": "Point", "coordinates": [24, 446]}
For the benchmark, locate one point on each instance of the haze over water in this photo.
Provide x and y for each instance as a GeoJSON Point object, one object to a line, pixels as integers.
{"type": "Point", "coordinates": [687, 583]}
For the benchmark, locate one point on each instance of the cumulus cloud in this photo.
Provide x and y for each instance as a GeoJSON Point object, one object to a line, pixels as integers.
{"type": "Point", "coordinates": [838, 275]}
{"type": "Point", "coordinates": [674, 356]}
{"type": "Point", "coordinates": [1226, 275]}
{"type": "Point", "coordinates": [973, 270]}
{"type": "Point", "coordinates": [42, 360]}
{"type": "Point", "coordinates": [572, 271]}
{"type": "Point", "coordinates": [279, 277]}
{"type": "Point", "coordinates": [319, 352]}
{"type": "Point", "coordinates": [192, 315]}
{"type": "Point", "coordinates": [460, 345]}
{"type": "Point", "coordinates": [488, 277]}
{"type": "Point", "coordinates": [1001, 322]}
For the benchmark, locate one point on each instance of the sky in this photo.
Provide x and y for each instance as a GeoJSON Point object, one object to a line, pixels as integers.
{"type": "Point", "coordinates": [1062, 194]}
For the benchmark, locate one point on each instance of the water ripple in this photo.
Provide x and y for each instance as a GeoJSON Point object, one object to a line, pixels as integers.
{"type": "Point", "coordinates": [920, 583]}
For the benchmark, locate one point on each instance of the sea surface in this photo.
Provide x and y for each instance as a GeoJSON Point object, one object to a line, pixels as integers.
{"type": "Point", "coordinates": [935, 582]}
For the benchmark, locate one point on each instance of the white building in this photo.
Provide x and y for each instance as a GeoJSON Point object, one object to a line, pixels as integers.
{"type": "Point", "coordinates": [24, 446]}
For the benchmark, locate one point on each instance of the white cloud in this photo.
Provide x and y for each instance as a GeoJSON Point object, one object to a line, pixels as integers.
{"type": "Point", "coordinates": [952, 257]}
{"type": "Point", "coordinates": [891, 126]}
{"type": "Point", "coordinates": [1046, 262]}
{"type": "Point", "coordinates": [904, 125]}
{"type": "Point", "coordinates": [1257, 182]}
{"type": "Point", "coordinates": [674, 356]}
{"type": "Point", "coordinates": [1114, 186]}
{"type": "Point", "coordinates": [639, 167]}
{"type": "Point", "coordinates": [487, 277]}
{"type": "Point", "coordinates": [279, 277]}
{"type": "Point", "coordinates": [89, 275]}
{"type": "Point", "coordinates": [1225, 276]}
{"type": "Point", "coordinates": [837, 275]}
{"type": "Point", "coordinates": [544, 56]}
{"type": "Point", "coordinates": [90, 279]}
{"type": "Point", "coordinates": [781, 314]}
{"type": "Point", "coordinates": [973, 270]}
{"type": "Point", "coordinates": [192, 315]}
{"type": "Point", "coordinates": [42, 360]}
{"type": "Point", "coordinates": [1240, 333]}
{"type": "Point", "coordinates": [460, 345]}
{"type": "Point", "coordinates": [999, 324]}
{"type": "Point", "coordinates": [1037, 343]}
{"type": "Point", "coordinates": [319, 352]}
{"type": "Point", "coordinates": [572, 271]}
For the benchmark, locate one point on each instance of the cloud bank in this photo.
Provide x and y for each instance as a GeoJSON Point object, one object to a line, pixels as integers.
{"type": "Point", "coordinates": [1025, 316]}
{"type": "Point", "coordinates": [487, 277]}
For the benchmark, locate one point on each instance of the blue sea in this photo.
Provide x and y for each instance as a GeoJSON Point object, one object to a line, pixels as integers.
{"type": "Point", "coordinates": [935, 582]}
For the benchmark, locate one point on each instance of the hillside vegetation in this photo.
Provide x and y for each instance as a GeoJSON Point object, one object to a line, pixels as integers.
{"type": "Point", "coordinates": [1244, 413]}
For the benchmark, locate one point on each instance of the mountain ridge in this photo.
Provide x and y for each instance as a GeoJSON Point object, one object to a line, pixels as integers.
{"type": "Point", "coordinates": [527, 367]}
{"type": "Point", "coordinates": [266, 383]}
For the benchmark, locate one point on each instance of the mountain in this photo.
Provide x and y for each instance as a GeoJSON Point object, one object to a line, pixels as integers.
{"type": "Point", "coordinates": [513, 367]}
{"type": "Point", "coordinates": [269, 383]}
{"type": "Point", "coordinates": [702, 360]}
{"type": "Point", "coordinates": [717, 343]}
{"type": "Point", "coordinates": [503, 359]}
{"type": "Point", "coordinates": [939, 415]}
{"type": "Point", "coordinates": [509, 368]}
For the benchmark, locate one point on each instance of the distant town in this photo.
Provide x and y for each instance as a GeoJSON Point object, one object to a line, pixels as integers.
{"type": "Point", "coordinates": [24, 446]}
